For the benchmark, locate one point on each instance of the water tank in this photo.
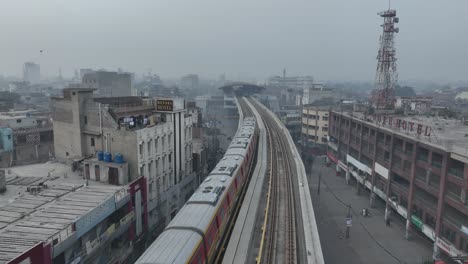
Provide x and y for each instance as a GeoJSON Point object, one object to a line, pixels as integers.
{"type": "Point", "coordinates": [100, 155]}
{"type": "Point", "coordinates": [107, 157]}
{"type": "Point", "coordinates": [119, 158]}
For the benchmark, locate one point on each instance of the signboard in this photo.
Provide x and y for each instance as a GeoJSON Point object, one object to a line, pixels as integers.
{"type": "Point", "coordinates": [358, 164]}
{"type": "Point", "coordinates": [331, 157]}
{"type": "Point", "coordinates": [447, 248]}
{"type": "Point", "coordinates": [165, 105]}
{"type": "Point", "coordinates": [416, 221]}
{"type": "Point", "coordinates": [381, 170]}
{"type": "Point", "coordinates": [403, 125]}
{"type": "Point", "coordinates": [464, 229]}
{"type": "Point", "coordinates": [349, 221]}
{"type": "Point", "coordinates": [342, 165]}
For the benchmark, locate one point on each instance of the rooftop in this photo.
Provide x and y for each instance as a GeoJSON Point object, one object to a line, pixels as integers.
{"type": "Point", "coordinates": [448, 134]}
{"type": "Point", "coordinates": [56, 199]}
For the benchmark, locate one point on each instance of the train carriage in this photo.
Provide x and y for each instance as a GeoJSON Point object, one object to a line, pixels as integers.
{"type": "Point", "coordinates": [194, 234]}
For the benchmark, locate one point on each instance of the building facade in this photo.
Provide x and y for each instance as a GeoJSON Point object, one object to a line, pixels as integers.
{"type": "Point", "coordinates": [316, 92]}
{"type": "Point", "coordinates": [108, 84]}
{"type": "Point", "coordinates": [153, 135]}
{"type": "Point", "coordinates": [25, 139]}
{"type": "Point", "coordinates": [417, 166]}
{"type": "Point", "coordinates": [31, 72]}
{"type": "Point", "coordinates": [314, 131]}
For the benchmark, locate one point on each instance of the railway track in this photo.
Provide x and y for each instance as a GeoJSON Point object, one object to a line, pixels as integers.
{"type": "Point", "coordinates": [279, 236]}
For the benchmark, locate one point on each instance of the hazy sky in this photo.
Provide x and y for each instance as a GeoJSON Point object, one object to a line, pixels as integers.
{"type": "Point", "coordinates": [329, 39]}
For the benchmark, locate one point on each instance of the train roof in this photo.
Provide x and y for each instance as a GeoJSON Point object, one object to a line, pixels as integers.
{"type": "Point", "coordinates": [172, 246]}
{"type": "Point", "coordinates": [227, 166]}
{"type": "Point", "coordinates": [235, 152]}
{"type": "Point", "coordinates": [181, 236]}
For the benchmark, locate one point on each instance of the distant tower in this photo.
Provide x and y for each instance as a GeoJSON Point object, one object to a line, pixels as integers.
{"type": "Point", "coordinates": [386, 75]}
{"type": "Point", "coordinates": [284, 73]}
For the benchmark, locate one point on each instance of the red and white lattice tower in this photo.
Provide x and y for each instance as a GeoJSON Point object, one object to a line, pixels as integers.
{"type": "Point", "coordinates": [386, 75]}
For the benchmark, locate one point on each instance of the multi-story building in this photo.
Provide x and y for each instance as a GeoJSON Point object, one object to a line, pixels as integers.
{"type": "Point", "coordinates": [417, 165]}
{"type": "Point", "coordinates": [25, 139]}
{"type": "Point", "coordinates": [108, 84]}
{"type": "Point", "coordinates": [153, 135]}
{"type": "Point", "coordinates": [189, 82]}
{"type": "Point", "coordinates": [314, 133]}
{"type": "Point", "coordinates": [31, 72]}
{"type": "Point", "coordinates": [413, 104]}
{"type": "Point", "coordinates": [316, 92]}
{"type": "Point", "coordinates": [53, 217]}
{"type": "Point", "coordinates": [293, 82]}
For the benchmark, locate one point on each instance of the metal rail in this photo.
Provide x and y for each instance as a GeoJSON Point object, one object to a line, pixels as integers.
{"type": "Point", "coordinates": [278, 242]}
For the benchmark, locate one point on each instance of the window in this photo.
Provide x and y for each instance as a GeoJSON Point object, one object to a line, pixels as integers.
{"type": "Point", "coordinates": [170, 157]}
{"type": "Point", "coordinates": [85, 120]}
{"type": "Point", "coordinates": [325, 118]}
{"type": "Point", "coordinates": [156, 145]}
{"type": "Point", "coordinates": [18, 120]}
{"type": "Point", "coordinates": [9, 136]}
{"type": "Point", "coordinates": [149, 147]}
{"type": "Point", "coordinates": [92, 142]}
{"type": "Point", "coordinates": [140, 149]}
{"type": "Point", "coordinates": [324, 128]}
{"type": "Point", "coordinates": [66, 154]}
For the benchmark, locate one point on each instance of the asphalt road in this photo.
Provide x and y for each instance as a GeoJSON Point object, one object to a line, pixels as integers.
{"type": "Point", "coordinates": [370, 241]}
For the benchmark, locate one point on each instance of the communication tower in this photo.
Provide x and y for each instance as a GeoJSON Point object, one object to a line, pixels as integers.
{"type": "Point", "coordinates": [386, 74]}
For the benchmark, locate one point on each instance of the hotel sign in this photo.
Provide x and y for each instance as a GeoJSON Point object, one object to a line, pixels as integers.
{"type": "Point", "coordinates": [165, 105]}
{"type": "Point", "coordinates": [403, 125]}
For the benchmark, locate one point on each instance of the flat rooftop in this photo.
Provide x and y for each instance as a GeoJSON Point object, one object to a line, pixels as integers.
{"type": "Point", "coordinates": [448, 134]}
{"type": "Point", "coordinates": [27, 218]}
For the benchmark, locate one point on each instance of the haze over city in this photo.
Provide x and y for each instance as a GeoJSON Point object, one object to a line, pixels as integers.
{"type": "Point", "coordinates": [333, 39]}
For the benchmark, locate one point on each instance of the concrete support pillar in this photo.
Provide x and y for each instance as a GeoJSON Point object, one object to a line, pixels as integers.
{"type": "Point", "coordinates": [347, 177]}
{"type": "Point", "coordinates": [337, 170]}
{"type": "Point", "coordinates": [435, 251]}
{"type": "Point", "coordinates": [387, 214]}
{"type": "Point", "coordinates": [372, 199]}
{"type": "Point", "coordinates": [408, 229]}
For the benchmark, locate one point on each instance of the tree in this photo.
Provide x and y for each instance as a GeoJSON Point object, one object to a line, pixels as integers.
{"type": "Point", "coordinates": [404, 91]}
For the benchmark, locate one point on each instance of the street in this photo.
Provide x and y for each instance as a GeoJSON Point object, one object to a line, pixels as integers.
{"type": "Point", "coordinates": [370, 240]}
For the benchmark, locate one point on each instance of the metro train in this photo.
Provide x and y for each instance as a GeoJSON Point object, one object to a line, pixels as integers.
{"type": "Point", "coordinates": [194, 235]}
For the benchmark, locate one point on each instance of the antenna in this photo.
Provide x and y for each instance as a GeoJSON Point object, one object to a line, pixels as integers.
{"type": "Point", "coordinates": [386, 73]}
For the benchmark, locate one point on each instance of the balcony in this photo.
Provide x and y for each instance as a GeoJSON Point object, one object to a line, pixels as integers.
{"type": "Point", "coordinates": [398, 148]}
{"type": "Point", "coordinates": [422, 157]}
{"type": "Point", "coordinates": [436, 164]}
{"type": "Point", "coordinates": [456, 172]}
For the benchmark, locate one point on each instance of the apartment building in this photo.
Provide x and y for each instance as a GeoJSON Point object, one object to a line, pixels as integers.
{"type": "Point", "coordinates": [25, 139]}
{"type": "Point", "coordinates": [154, 136]}
{"type": "Point", "coordinates": [314, 132]}
{"type": "Point", "coordinates": [417, 165]}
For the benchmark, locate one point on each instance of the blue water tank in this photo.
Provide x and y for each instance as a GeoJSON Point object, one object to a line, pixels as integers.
{"type": "Point", "coordinates": [100, 155]}
{"type": "Point", "coordinates": [107, 157]}
{"type": "Point", "coordinates": [119, 158]}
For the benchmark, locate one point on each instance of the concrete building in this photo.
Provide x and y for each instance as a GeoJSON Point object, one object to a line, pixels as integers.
{"type": "Point", "coordinates": [31, 72]}
{"type": "Point", "coordinates": [417, 165]}
{"type": "Point", "coordinates": [293, 82]}
{"type": "Point", "coordinates": [108, 84]}
{"type": "Point", "coordinates": [314, 133]}
{"type": "Point", "coordinates": [189, 82]}
{"type": "Point", "coordinates": [25, 139]}
{"type": "Point", "coordinates": [315, 93]}
{"type": "Point", "coordinates": [413, 104]}
{"type": "Point", "coordinates": [54, 217]}
{"type": "Point", "coordinates": [153, 135]}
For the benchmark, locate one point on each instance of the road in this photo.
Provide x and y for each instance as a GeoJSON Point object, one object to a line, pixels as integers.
{"type": "Point", "coordinates": [371, 241]}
